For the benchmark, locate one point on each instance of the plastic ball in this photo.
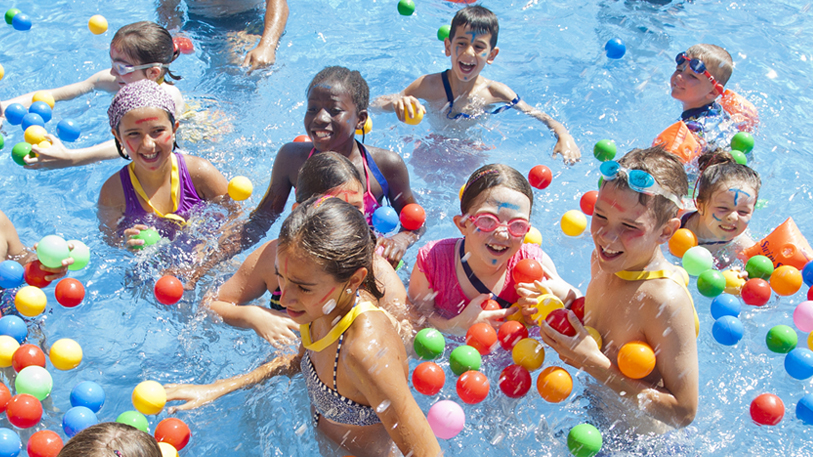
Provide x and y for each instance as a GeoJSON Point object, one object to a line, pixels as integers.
{"type": "Point", "coordinates": [44, 443]}
{"type": "Point", "coordinates": [588, 202]}
{"type": "Point", "coordinates": [558, 320]}
{"type": "Point", "coordinates": [43, 96]}
{"type": "Point", "coordinates": [756, 292]}
{"type": "Point", "coordinates": [134, 419]}
{"type": "Point", "coordinates": [34, 380]}
{"type": "Point", "coordinates": [725, 305]}
{"type": "Point", "coordinates": [636, 359]}
{"type": "Point", "coordinates": [577, 306]}
{"type": "Point", "coordinates": [528, 353]}
{"type": "Point", "coordinates": [472, 387]}
{"type": "Point", "coordinates": [515, 381]}
{"type": "Point", "coordinates": [444, 31]}
{"type": "Point", "coordinates": [682, 240]}
{"type": "Point", "coordinates": [527, 271]}
{"type": "Point", "coordinates": [88, 394]}
{"type": "Point", "coordinates": [43, 110]}
{"type": "Point", "coordinates": [573, 223]}
{"type": "Point", "coordinates": [490, 305]}
{"type": "Point", "coordinates": [727, 330]}
{"type": "Point", "coordinates": [429, 344]}
{"type": "Point", "coordinates": [759, 266]}
{"type": "Point", "coordinates": [77, 419]}
{"type": "Point", "coordinates": [150, 237]}
{"type": "Point", "coordinates": [97, 24]}
{"type": "Point", "coordinates": [415, 118]}
{"type": "Point", "coordinates": [35, 134]}
{"type": "Point", "coordinates": [80, 255]}
{"type": "Point", "coordinates": [412, 216]}
{"type": "Point", "coordinates": [767, 409]}
{"type": "Point", "coordinates": [534, 236]}
{"type": "Point", "coordinates": [11, 274]}
{"type": "Point", "coordinates": [21, 22]}
{"type": "Point", "coordinates": [446, 419]}
{"type": "Point", "coordinates": [742, 141]}
{"type": "Point", "coordinates": [799, 363]}
{"type": "Point", "coordinates": [32, 119]}
{"type": "Point", "coordinates": [302, 139]}
{"type": "Point", "coordinates": [781, 339]}
{"type": "Point", "coordinates": [584, 440]}
{"type": "Point", "coordinates": [173, 431]}
{"type": "Point", "coordinates": [65, 354]}
{"type": "Point", "coordinates": [10, 13]}
{"type": "Point", "coordinates": [7, 347]}
{"type": "Point", "coordinates": [34, 275]}
{"type": "Point", "coordinates": [595, 335]}
{"type": "Point", "coordinates": [240, 188]}
{"type": "Point", "coordinates": [52, 250]}
{"type": "Point", "coordinates": [168, 290]}
{"type": "Point", "coordinates": [19, 151]}
{"type": "Point", "coordinates": [149, 397]}
{"type": "Point", "coordinates": [14, 113]}
{"type": "Point", "coordinates": [554, 384]}
{"type": "Point", "coordinates": [464, 358]}
{"type": "Point", "coordinates": [428, 378]}
{"type": "Point", "coordinates": [2, 73]}
{"type": "Point", "coordinates": [366, 128]}
{"type": "Point", "coordinates": [5, 397]}
{"type": "Point", "coordinates": [711, 283]}
{"type": "Point", "coordinates": [738, 157]}
{"type": "Point", "coordinates": [605, 150]}
{"type": "Point", "coordinates": [804, 409]}
{"type": "Point", "coordinates": [24, 411]}
{"type": "Point", "coordinates": [511, 333]}
{"type": "Point", "coordinates": [481, 336]}
{"type": "Point", "coordinates": [406, 7]}
{"type": "Point", "coordinates": [14, 327]}
{"type": "Point", "coordinates": [184, 44]}
{"type": "Point", "coordinates": [615, 48]}
{"type": "Point", "coordinates": [385, 219]}
{"type": "Point", "coordinates": [733, 282]}
{"type": "Point", "coordinates": [30, 301]}
{"type": "Point", "coordinates": [786, 280]}
{"type": "Point", "coordinates": [697, 260]}
{"type": "Point", "coordinates": [802, 316]}
{"type": "Point", "coordinates": [540, 177]}
{"type": "Point", "coordinates": [67, 130]}
{"type": "Point", "coordinates": [167, 450]}
{"type": "Point", "coordinates": [27, 355]}
{"type": "Point", "coordinates": [10, 445]}
{"type": "Point", "coordinates": [69, 292]}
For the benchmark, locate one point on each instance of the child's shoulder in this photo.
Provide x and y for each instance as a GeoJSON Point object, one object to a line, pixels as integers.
{"type": "Point", "coordinates": [498, 92]}
{"type": "Point", "coordinates": [293, 155]}
{"type": "Point", "coordinates": [388, 161]}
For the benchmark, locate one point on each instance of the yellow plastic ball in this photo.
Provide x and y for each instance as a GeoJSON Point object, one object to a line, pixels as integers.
{"type": "Point", "coordinates": [733, 282]}
{"type": "Point", "coordinates": [167, 450]}
{"type": "Point", "coordinates": [595, 334]}
{"type": "Point", "coordinates": [30, 301]}
{"type": "Point", "coordinates": [43, 96]}
{"type": "Point", "coordinates": [544, 305]}
{"type": "Point", "coordinates": [368, 126]}
{"type": "Point", "coordinates": [66, 354]}
{"type": "Point", "coordinates": [149, 397]}
{"type": "Point", "coordinates": [574, 222]}
{"type": "Point", "coordinates": [636, 359]}
{"type": "Point", "coordinates": [97, 24]}
{"type": "Point", "coordinates": [7, 347]}
{"type": "Point", "coordinates": [416, 119]}
{"type": "Point", "coordinates": [240, 188]}
{"type": "Point", "coordinates": [35, 134]}
{"type": "Point", "coordinates": [810, 341]}
{"type": "Point", "coordinates": [44, 145]}
{"type": "Point", "coordinates": [2, 72]}
{"type": "Point", "coordinates": [529, 353]}
{"type": "Point", "coordinates": [517, 316]}
{"type": "Point", "coordinates": [533, 236]}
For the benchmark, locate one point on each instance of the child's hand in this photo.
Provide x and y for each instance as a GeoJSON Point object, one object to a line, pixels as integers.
{"type": "Point", "coordinates": [474, 313]}
{"type": "Point", "coordinates": [57, 272]}
{"type": "Point", "coordinates": [578, 351]}
{"type": "Point", "coordinates": [393, 248]}
{"type": "Point", "coordinates": [260, 57]}
{"type": "Point", "coordinates": [405, 106]}
{"type": "Point", "coordinates": [131, 232]}
{"type": "Point", "coordinates": [194, 395]}
{"type": "Point", "coordinates": [567, 148]}
{"type": "Point", "coordinates": [275, 327]}
{"type": "Point", "coordinates": [56, 156]}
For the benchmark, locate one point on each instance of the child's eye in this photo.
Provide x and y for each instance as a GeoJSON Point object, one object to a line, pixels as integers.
{"type": "Point", "coordinates": [745, 213]}
{"type": "Point", "coordinates": [599, 215]}
{"type": "Point", "coordinates": [304, 289]}
{"type": "Point", "coordinates": [630, 227]}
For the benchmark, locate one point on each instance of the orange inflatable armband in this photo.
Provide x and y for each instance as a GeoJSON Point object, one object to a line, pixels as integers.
{"type": "Point", "coordinates": [784, 246]}
{"type": "Point", "coordinates": [742, 112]}
{"type": "Point", "coordinates": [679, 140]}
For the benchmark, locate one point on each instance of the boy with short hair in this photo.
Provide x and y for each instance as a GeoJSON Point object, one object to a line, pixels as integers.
{"type": "Point", "coordinates": [472, 44]}
{"type": "Point", "coordinates": [635, 294]}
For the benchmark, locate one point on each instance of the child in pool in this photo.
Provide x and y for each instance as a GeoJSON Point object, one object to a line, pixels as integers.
{"type": "Point", "coordinates": [12, 249]}
{"type": "Point", "coordinates": [142, 50]}
{"type": "Point", "coordinates": [111, 439]}
{"type": "Point", "coordinates": [453, 277]}
{"type": "Point", "coordinates": [351, 356]}
{"type": "Point", "coordinates": [158, 182]}
{"type": "Point", "coordinates": [327, 173]}
{"type": "Point", "coordinates": [727, 193]}
{"type": "Point", "coordinates": [472, 44]}
{"type": "Point", "coordinates": [635, 293]}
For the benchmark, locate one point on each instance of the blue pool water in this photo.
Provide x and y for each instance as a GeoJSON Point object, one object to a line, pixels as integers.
{"type": "Point", "coordinates": [551, 54]}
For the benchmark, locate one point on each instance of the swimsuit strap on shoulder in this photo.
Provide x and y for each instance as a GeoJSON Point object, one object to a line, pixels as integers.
{"type": "Point", "coordinates": [175, 190]}
{"type": "Point", "coordinates": [337, 330]}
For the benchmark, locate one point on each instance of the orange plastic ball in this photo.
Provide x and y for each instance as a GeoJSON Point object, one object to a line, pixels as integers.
{"type": "Point", "coordinates": [490, 305]}
{"type": "Point", "coordinates": [428, 378]}
{"type": "Point", "coordinates": [554, 384]}
{"type": "Point", "coordinates": [472, 387]}
{"type": "Point", "coordinates": [786, 280]}
{"type": "Point", "coordinates": [412, 216]}
{"type": "Point", "coordinates": [173, 431]}
{"type": "Point", "coordinates": [682, 240]}
{"type": "Point", "coordinates": [481, 336]}
{"type": "Point", "coordinates": [511, 333]}
{"type": "Point", "coordinates": [636, 359]}
{"type": "Point", "coordinates": [527, 271]}
{"type": "Point", "coordinates": [302, 139]}
{"type": "Point", "coordinates": [168, 290]}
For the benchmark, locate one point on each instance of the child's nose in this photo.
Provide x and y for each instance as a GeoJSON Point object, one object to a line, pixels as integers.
{"type": "Point", "coordinates": [323, 116]}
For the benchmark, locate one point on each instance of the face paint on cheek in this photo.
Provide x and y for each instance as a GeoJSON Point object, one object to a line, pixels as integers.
{"type": "Point", "coordinates": [130, 145]}
{"type": "Point", "coordinates": [322, 300]}
{"type": "Point", "coordinates": [714, 216]}
{"type": "Point", "coordinates": [494, 261]}
{"type": "Point", "coordinates": [146, 119]}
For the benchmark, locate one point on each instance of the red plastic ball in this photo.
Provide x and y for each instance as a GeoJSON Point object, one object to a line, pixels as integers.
{"type": "Point", "coordinates": [527, 271]}
{"type": "Point", "coordinates": [168, 290]}
{"type": "Point", "coordinates": [173, 431]}
{"type": "Point", "coordinates": [69, 292]}
{"type": "Point", "coordinates": [481, 336]}
{"type": "Point", "coordinates": [515, 381]}
{"type": "Point", "coordinates": [35, 276]}
{"type": "Point", "coordinates": [428, 378]}
{"type": "Point", "coordinates": [184, 44]}
{"type": "Point", "coordinates": [810, 293]}
{"type": "Point", "coordinates": [412, 216]}
{"type": "Point", "coordinates": [472, 387]}
{"type": "Point", "coordinates": [511, 333]}
{"type": "Point", "coordinates": [24, 411]}
{"type": "Point", "coordinates": [767, 409]}
{"type": "Point", "coordinates": [588, 202]}
{"type": "Point", "coordinates": [26, 356]}
{"type": "Point", "coordinates": [756, 292]}
{"type": "Point", "coordinates": [540, 177]}
{"type": "Point", "coordinates": [44, 443]}
{"type": "Point", "coordinates": [5, 396]}
{"type": "Point", "coordinates": [558, 320]}
{"type": "Point", "coordinates": [302, 139]}
{"type": "Point", "coordinates": [490, 305]}
{"type": "Point", "coordinates": [577, 306]}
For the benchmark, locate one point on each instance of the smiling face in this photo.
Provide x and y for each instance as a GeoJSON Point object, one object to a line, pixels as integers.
{"type": "Point", "coordinates": [147, 135]}
{"type": "Point", "coordinates": [331, 118]}
{"type": "Point", "coordinates": [470, 52]}
{"type": "Point", "coordinates": [693, 89]}
{"type": "Point", "coordinates": [727, 213]}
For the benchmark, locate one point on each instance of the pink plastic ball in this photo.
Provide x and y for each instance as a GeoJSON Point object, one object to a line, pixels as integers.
{"type": "Point", "coordinates": [446, 418]}
{"type": "Point", "coordinates": [803, 316]}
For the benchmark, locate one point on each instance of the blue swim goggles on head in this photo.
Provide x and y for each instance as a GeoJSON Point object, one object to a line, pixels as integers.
{"type": "Point", "coordinates": [638, 180]}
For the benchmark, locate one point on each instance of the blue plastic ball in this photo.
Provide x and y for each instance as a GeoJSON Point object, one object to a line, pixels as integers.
{"type": "Point", "coordinates": [14, 326]}
{"type": "Point", "coordinates": [42, 109]}
{"type": "Point", "coordinates": [727, 330]}
{"type": "Point", "coordinates": [21, 22]}
{"type": "Point", "coordinates": [14, 113]}
{"type": "Point", "coordinates": [725, 305]}
{"type": "Point", "coordinates": [804, 409]}
{"type": "Point", "coordinates": [615, 48]}
{"type": "Point", "coordinates": [10, 444]}
{"type": "Point", "coordinates": [77, 419]}
{"type": "Point", "coordinates": [32, 119]}
{"type": "Point", "coordinates": [799, 363]}
{"type": "Point", "coordinates": [88, 394]}
{"type": "Point", "coordinates": [385, 219]}
{"type": "Point", "coordinates": [68, 130]}
{"type": "Point", "coordinates": [807, 274]}
{"type": "Point", "coordinates": [11, 274]}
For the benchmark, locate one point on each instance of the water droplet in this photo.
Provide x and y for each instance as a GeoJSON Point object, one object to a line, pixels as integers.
{"type": "Point", "coordinates": [328, 307]}
{"type": "Point", "coordinates": [498, 439]}
{"type": "Point", "coordinates": [465, 257]}
{"type": "Point", "coordinates": [301, 429]}
{"type": "Point", "coordinates": [382, 406]}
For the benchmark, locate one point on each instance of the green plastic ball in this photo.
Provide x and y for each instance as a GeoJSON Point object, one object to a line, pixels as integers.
{"type": "Point", "coordinates": [711, 283]}
{"type": "Point", "coordinates": [2, 142]}
{"type": "Point", "coordinates": [759, 266]}
{"type": "Point", "coordinates": [584, 440]}
{"type": "Point", "coordinates": [52, 250]}
{"type": "Point", "coordinates": [150, 237]}
{"type": "Point", "coordinates": [781, 339]}
{"type": "Point", "coordinates": [743, 141]}
{"type": "Point", "coordinates": [406, 7]}
{"type": "Point", "coordinates": [739, 157]}
{"type": "Point", "coordinates": [10, 13]}
{"type": "Point", "coordinates": [19, 151]}
{"type": "Point", "coordinates": [80, 255]}
{"type": "Point", "coordinates": [34, 380]}
{"type": "Point", "coordinates": [605, 150]}
{"type": "Point", "coordinates": [134, 419]}
{"type": "Point", "coordinates": [464, 358]}
{"type": "Point", "coordinates": [697, 260]}
{"type": "Point", "coordinates": [444, 31]}
{"type": "Point", "coordinates": [429, 344]}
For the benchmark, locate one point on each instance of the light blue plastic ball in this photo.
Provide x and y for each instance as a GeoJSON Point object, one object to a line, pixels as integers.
{"type": "Point", "coordinates": [14, 326]}
{"type": "Point", "coordinates": [10, 444]}
{"type": "Point", "coordinates": [32, 119]}
{"type": "Point", "coordinates": [615, 48]}
{"type": "Point", "coordinates": [799, 363]}
{"type": "Point", "coordinates": [11, 274]}
{"type": "Point", "coordinates": [88, 394]}
{"type": "Point", "coordinates": [68, 130]}
{"type": "Point", "coordinates": [21, 22]}
{"type": "Point", "coordinates": [14, 113]}
{"type": "Point", "coordinates": [77, 419]}
{"type": "Point", "coordinates": [725, 305]}
{"type": "Point", "coordinates": [385, 219]}
{"type": "Point", "coordinates": [804, 409]}
{"type": "Point", "coordinates": [727, 330]}
{"type": "Point", "coordinates": [42, 109]}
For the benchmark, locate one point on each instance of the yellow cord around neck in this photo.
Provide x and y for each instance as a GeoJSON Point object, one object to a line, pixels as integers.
{"type": "Point", "coordinates": [337, 330]}
{"type": "Point", "coordinates": [175, 190]}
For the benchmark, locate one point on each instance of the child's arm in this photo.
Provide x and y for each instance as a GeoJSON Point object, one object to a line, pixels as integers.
{"type": "Point", "coordinates": [424, 88]}
{"type": "Point", "coordinates": [276, 15]}
{"type": "Point", "coordinates": [552, 283]}
{"type": "Point", "coordinates": [208, 181]}
{"type": "Point", "coordinates": [11, 248]}
{"type": "Point", "coordinates": [103, 80]}
{"type": "Point", "coordinates": [58, 156]}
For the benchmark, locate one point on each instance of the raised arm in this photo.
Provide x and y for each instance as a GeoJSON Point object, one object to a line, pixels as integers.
{"type": "Point", "coordinates": [276, 16]}
{"type": "Point", "coordinates": [102, 80]}
{"type": "Point", "coordinates": [424, 88]}
{"type": "Point", "coordinates": [400, 195]}
{"type": "Point", "coordinates": [59, 156]}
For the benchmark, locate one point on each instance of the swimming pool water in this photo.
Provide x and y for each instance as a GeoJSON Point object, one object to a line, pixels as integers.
{"type": "Point", "coordinates": [551, 54]}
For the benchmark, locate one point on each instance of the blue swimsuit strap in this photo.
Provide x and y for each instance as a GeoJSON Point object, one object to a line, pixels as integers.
{"type": "Point", "coordinates": [475, 281]}
{"type": "Point", "coordinates": [368, 159]}
{"type": "Point", "coordinates": [450, 98]}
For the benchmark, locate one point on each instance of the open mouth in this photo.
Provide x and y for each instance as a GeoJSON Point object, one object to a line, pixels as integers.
{"type": "Point", "coordinates": [496, 249]}
{"type": "Point", "coordinates": [149, 157]}
{"type": "Point", "coordinates": [466, 67]}
{"type": "Point", "coordinates": [608, 254]}
{"type": "Point", "coordinates": [728, 228]}
{"type": "Point", "coordinates": [321, 134]}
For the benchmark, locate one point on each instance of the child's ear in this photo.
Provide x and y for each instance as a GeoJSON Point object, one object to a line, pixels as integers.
{"type": "Point", "coordinates": [358, 278]}
{"type": "Point", "coordinates": [447, 44]}
{"type": "Point", "coordinates": [460, 223]}
{"type": "Point", "coordinates": [153, 73]}
{"type": "Point", "coordinates": [668, 229]}
{"type": "Point", "coordinates": [362, 119]}
{"type": "Point", "coordinates": [116, 134]}
{"type": "Point", "coordinates": [492, 55]}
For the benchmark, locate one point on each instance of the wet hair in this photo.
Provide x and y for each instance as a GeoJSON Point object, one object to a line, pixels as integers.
{"type": "Point", "coordinates": [667, 170]}
{"type": "Point", "coordinates": [111, 439]}
{"type": "Point", "coordinates": [718, 60]}
{"type": "Point", "coordinates": [351, 80]}
{"type": "Point", "coordinates": [147, 42]}
{"type": "Point", "coordinates": [335, 235]}
{"type": "Point", "coordinates": [490, 176]}
{"type": "Point", "coordinates": [718, 169]}
{"type": "Point", "coordinates": [479, 19]}
{"type": "Point", "coordinates": [323, 172]}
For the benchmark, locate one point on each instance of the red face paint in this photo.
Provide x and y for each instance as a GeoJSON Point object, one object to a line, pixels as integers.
{"type": "Point", "coordinates": [130, 145]}
{"type": "Point", "coordinates": [614, 204]}
{"type": "Point", "coordinates": [322, 300]}
{"type": "Point", "coordinates": [146, 119]}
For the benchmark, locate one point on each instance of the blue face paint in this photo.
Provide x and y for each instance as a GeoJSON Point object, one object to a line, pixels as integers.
{"type": "Point", "coordinates": [737, 193]}
{"type": "Point", "coordinates": [502, 205]}
{"type": "Point", "coordinates": [494, 261]}
{"type": "Point", "coordinates": [473, 35]}
{"type": "Point", "coordinates": [716, 218]}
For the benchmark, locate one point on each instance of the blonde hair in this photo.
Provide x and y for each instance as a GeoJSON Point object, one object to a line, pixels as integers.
{"type": "Point", "coordinates": [718, 60]}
